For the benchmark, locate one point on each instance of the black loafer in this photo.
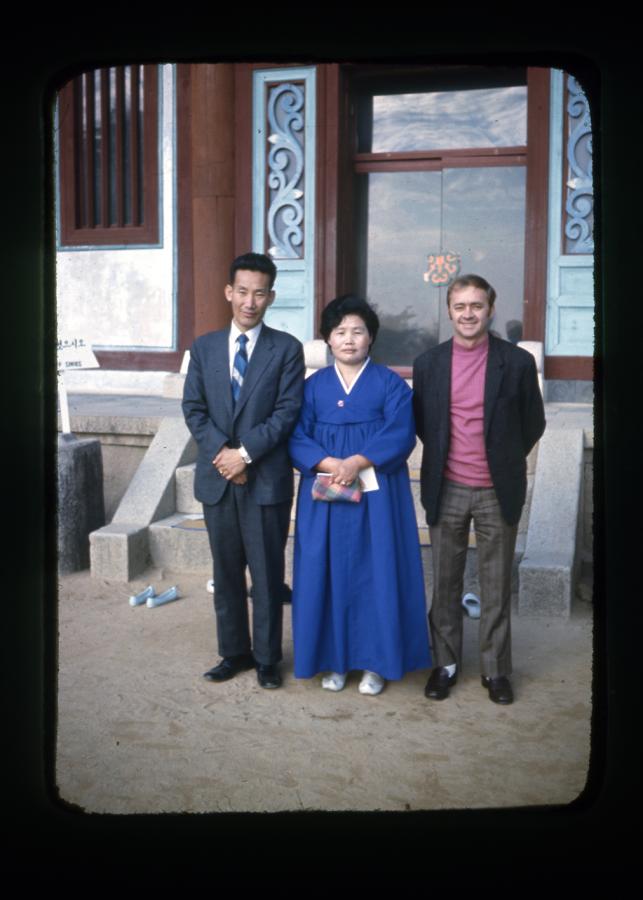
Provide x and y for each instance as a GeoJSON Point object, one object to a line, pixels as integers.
{"type": "Point", "coordinates": [437, 687]}
{"type": "Point", "coordinates": [268, 676]}
{"type": "Point", "coordinates": [229, 667]}
{"type": "Point", "coordinates": [499, 689]}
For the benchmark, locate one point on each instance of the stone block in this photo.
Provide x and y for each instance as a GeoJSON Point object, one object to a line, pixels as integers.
{"type": "Point", "coordinates": [185, 499]}
{"type": "Point", "coordinates": [559, 391]}
{"type": "Point", "coordinates": [549, 564]}
{"type": "Point", "coordinates": [151, 492]}
{"type": "Point", "coordinates": [120, 462]}
{"type": "Point", "coordinates": [81, 506]}
{"type": "Point", "coordinates": [119, 551]}
{"type": "Point", "coordinates": [545, 590]}
{"type": "Point", "coordinates": [181, 545]}
{"type": "Point", "coordinates": [587, 507]}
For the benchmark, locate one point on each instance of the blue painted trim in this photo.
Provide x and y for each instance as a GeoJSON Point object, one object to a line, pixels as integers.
{"type": "Point", "coordinates": [557, 261]}
{"type": "Point", "coordinates": [554, 206]}
{"type": "Point", "coordinates": [303, 270]}
{"type": "Point", "coordinates": [159, 153]}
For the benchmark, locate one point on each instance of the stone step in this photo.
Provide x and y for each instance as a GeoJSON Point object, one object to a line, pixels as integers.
{"type": "Point", "coordinates": [180, 543]}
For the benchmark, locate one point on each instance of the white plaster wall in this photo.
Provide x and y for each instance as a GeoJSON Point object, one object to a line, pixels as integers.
{"type": "Point", "coordinates": [125, 298]}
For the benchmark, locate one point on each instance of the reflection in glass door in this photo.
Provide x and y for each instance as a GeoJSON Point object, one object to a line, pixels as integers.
{"type": "Point", "coordinates": [440, 168]}
{"type": "Point", "coordinates": [402, 216]}
{"type": "Point", "coordinates": [476, 213]}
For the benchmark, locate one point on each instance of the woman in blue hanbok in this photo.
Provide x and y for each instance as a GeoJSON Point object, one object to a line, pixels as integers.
{"type": "Point", "coordinates": [358, 588]}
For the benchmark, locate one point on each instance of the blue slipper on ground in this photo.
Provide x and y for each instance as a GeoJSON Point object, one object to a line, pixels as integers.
{"type": "Point", "coordinates": [471, 606]}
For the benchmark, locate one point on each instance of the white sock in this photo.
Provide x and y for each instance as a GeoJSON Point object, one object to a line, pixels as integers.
{"type": "Point", "coordinates": [451, 669]}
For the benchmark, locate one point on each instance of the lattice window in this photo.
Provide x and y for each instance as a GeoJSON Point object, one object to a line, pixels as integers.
{"type": "Point", "coordinates": [108, 149]}
{"type": "Point", "coordinates": [285, 170]}
{"type": "Point", "coordinates": [579, 188]}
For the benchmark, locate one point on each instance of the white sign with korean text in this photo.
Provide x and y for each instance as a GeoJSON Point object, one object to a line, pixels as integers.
{"type": "Point", "coordinates": [73, 353]}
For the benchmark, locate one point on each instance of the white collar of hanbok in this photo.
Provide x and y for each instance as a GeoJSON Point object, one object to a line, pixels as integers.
{"type": "Point", "coordinates": [349, 388]}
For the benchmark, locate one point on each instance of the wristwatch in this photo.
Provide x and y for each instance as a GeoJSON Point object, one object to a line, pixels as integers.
{"type": "Point", "coordinates": [244, 455]}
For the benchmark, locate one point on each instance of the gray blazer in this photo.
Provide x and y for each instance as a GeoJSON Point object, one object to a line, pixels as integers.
{"type": "Point", "coordinates": [265, 414]}
{"type": "Point", "coordinates": [514, 419]}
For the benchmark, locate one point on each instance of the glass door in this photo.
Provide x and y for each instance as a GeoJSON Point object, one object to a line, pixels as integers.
{"type": "Point", "coordinates": [440, 180]}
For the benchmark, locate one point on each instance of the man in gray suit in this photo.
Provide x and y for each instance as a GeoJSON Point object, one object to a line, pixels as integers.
{"type": "Point", "coordinates": [241, 400]}
{"type": "Point", "coordinates": [478, 411]}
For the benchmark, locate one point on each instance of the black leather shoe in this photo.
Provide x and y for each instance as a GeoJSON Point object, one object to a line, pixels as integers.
{"type": "Point", "coordinates": [229, 667]}
{"type": "Point", "coordinates": [499, 689]}
{"type": "Point", "coordinates": [437, 687]}
{"type": "Point", "coordinates": [268, 676]}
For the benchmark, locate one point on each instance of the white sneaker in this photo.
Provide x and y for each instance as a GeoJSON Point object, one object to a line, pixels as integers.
{"type": "Point", "coordinates": [371, 683]}
{"type": "Point", "coordinates": [334, 681]}
{"type": "Point", "coordinates": [210, 586]}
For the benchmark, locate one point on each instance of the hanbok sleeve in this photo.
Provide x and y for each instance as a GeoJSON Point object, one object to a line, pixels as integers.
{"type": "Point", "coordinates": [305, 452]}
{"type": "Point", "coordinates": [390, 446]}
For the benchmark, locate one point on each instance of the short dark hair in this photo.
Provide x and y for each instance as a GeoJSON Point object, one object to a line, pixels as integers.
{"type": "Point", "coordinates": [254, 262]}
{"type": "Point", "coordinates": [476, 281]}
{"type": "Point", "coordinates": [348, 305]}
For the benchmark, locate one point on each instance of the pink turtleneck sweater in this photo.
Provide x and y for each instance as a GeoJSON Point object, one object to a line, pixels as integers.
{"type": "Point", "coordinates": [467, 459]}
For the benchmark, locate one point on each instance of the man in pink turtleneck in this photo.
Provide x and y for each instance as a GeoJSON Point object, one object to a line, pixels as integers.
{"type": "Point", "coordinates": [479, 411]}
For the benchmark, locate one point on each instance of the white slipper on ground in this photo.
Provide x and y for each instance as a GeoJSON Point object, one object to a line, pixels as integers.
{"type": "Point", "coordinates": [471, 605]}
{"type": "Point", "coordinates": [334, 681]}
{"type": "Point", "coordinates": [371, 683]}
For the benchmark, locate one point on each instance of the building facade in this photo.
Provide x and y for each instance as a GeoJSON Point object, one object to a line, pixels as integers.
{"type": "Point", "coordinates": [385, 180]}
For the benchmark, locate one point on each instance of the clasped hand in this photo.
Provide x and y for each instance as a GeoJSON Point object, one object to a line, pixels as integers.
{"type": "Point", "coordinates": [230, 465]}
{"type": "Point", "coordinates": [343, 471]}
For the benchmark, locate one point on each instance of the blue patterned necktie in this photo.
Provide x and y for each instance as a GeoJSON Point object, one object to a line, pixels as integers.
{"type": "Point", "coordinates": [239, 366]}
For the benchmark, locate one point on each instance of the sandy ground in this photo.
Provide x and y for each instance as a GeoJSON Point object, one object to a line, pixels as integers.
{"type": "Point", "coordinates": [140, 730]}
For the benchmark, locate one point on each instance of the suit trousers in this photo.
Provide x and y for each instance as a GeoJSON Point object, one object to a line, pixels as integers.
{"type": "Point", "coordinates": [496, 542]}
{"type": "Point", "coordinates": [243, 533]}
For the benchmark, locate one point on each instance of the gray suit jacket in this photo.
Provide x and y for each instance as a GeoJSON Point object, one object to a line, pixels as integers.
{"type": "Point", "coordinates": [265, 413]}
{"type": "Point", "coordinates": [514, 419]}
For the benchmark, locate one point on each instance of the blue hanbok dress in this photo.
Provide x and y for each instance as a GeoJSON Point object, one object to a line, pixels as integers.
{"type": "Point", "coordinates": [358, 588]}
